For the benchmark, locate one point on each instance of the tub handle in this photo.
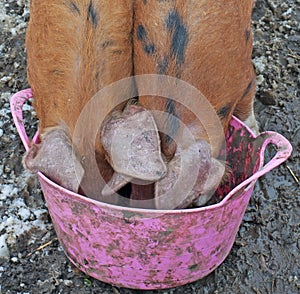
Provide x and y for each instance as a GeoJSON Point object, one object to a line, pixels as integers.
{"type": "Point", "coordinates": [284, 150]}
{"type": "Point", "coordinates": [16, 105]}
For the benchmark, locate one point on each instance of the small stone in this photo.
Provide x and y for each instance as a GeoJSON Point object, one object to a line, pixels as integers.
{"type": "Point", "coordinates": [260, 79]}
{"type": "Point", "coordinates": [68, 283]}
{"type": "Point", "coordinates": [267, 98]}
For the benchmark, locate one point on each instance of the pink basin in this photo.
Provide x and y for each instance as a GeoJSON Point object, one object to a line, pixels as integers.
{"type": "Point", "coordinates": [152, 249]}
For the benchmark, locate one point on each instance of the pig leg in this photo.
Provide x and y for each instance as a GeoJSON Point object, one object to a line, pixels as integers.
{"type": "Point", "coordinates": [74, 49]}
{"type": "Point", "coordinates": [55, 158]}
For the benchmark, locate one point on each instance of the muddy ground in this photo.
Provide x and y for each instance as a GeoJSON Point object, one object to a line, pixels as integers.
{"type": "Point", "coordinates": [265, 256]}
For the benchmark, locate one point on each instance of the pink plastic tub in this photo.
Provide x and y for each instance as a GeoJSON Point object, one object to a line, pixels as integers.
{"type": "Point", "coordinates": [152, 249]}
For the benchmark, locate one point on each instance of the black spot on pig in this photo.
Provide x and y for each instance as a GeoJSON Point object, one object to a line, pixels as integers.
{"type": "Point", "coordinates": [92, 14]}
{"type": "Point", "coordinates": [107, 43]}
{"type": "Point", "coordinates": [145, 2]}
{"type": "Point", "coordinates": [149, 49]}
{"type": "Point", "coordinates": [162, 65]}
{"type": "Point", "coordinates": [142, 36]}
{"type": "Point", "coordinates": [141, 33]}
{"type": "Point", "coordinates": [172, 126]}
{"type": "Point", "coordinates": [179, 36]}
{"type": "Point", "coordinates": [249, 87]}
{"type": "Point", "coordinates": [117, 52]}
{"type": "Point", "coordinates": [224, 111]}
{"type": "Point", "coordinates": [73, 7]}
{"type": "Point", "coordinates": [247, 35]}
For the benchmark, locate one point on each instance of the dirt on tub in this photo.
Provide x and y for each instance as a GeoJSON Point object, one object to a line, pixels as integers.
{"type": "Point", "coordinates": [265, 256]}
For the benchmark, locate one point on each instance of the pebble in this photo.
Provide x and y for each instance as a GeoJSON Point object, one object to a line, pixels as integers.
{"type": "Point", "coordinates": [68, 283]}
{"type": "Point", "coordinates": [282, 65]}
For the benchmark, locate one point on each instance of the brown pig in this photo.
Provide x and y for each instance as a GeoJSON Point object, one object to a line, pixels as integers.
{"type": "Point", "coordinates": [74, 49]}
{"type": "Point", "coordinates": [205, 43]}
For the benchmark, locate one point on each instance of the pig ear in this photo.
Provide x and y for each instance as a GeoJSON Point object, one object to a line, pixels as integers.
{"type": "Point", "coordinates": [54, 157]}
{"type": "Point", "coordinates": [29, 158]}
{"type": "Point", "coordinates": [133, 145]}
{"type": "Point", "coordinates": [184, 182]}
{"type": "Point", "coordinates": [216, 173]}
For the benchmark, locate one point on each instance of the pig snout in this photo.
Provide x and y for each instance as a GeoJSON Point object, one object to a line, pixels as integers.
{"type": "Point", "coordinates": [54, 157]}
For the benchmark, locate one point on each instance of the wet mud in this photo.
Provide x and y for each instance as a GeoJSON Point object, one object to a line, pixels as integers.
{"type": "Point", "coordinates": [265, 255]}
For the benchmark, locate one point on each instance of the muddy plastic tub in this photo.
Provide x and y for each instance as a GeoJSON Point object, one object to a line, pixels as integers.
{"type": "Point", "coordinates": [155, 249]}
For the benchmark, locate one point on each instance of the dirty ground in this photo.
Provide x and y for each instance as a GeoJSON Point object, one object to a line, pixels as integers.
{"type": "Point", "coordinates": [265, 256]}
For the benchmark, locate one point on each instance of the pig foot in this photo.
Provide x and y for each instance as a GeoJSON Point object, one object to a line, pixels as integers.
{"type": "Point", "coordinates": [54, 157]}
{"type": "Point", "coordinates": [178, 189]}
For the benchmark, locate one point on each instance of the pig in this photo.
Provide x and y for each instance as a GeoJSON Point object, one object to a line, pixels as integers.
{"type": "Point", "coordinates": [207, 44]}
{"type": "Point", "coordinates": [74, 49]}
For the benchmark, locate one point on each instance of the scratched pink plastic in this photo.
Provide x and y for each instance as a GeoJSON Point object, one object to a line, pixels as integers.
{"type": "Point", "coordinates": [151, 249]}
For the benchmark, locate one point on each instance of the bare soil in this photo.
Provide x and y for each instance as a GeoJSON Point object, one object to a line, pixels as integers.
{"type": "Point", "coordinates": [265, 256]}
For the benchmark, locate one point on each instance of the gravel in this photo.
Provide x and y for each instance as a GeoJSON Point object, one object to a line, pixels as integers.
{"type": "Point", "coordinates": [265, 256]}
